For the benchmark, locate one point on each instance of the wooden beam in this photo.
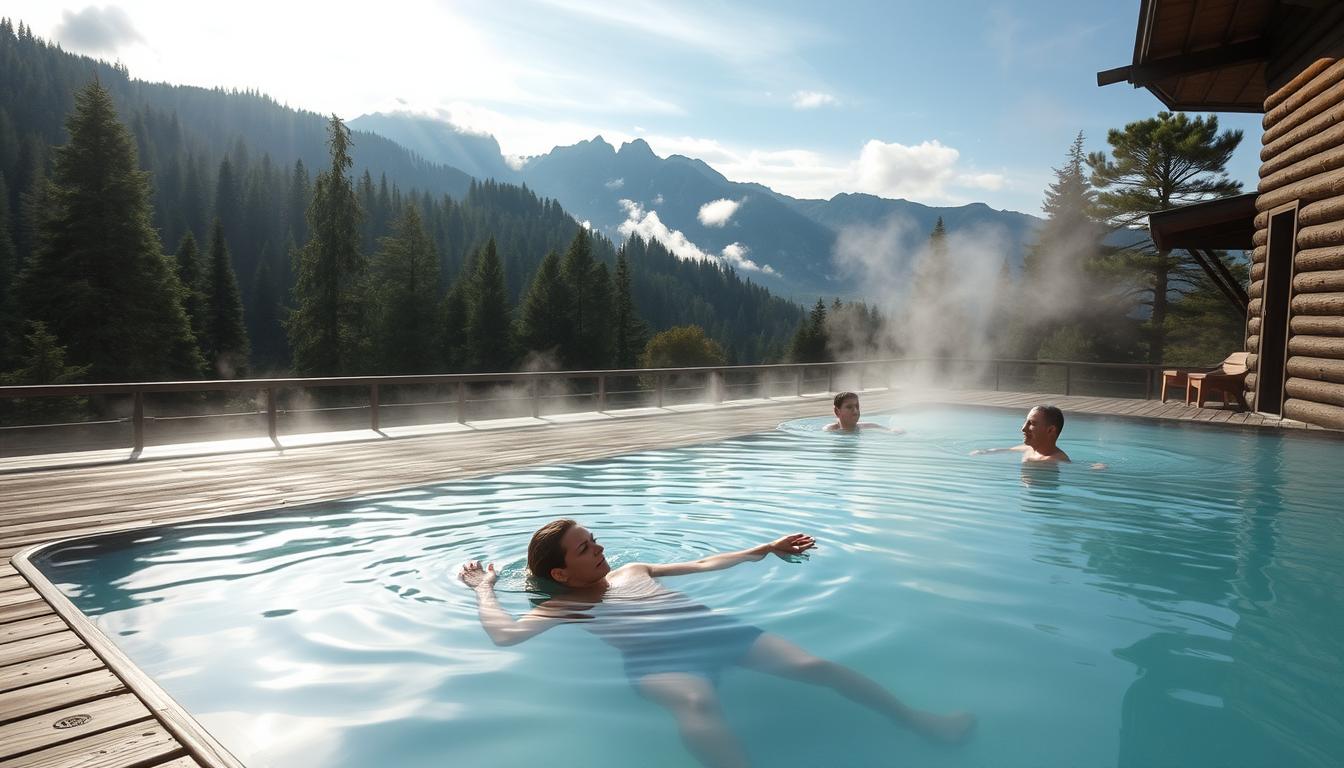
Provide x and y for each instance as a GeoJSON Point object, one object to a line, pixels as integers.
{"type": "Point", "coordinates": [1199, 61]}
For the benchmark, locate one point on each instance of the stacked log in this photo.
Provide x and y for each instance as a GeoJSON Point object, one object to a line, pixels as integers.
{"type": "Point", "coordinates": [1302, 159]}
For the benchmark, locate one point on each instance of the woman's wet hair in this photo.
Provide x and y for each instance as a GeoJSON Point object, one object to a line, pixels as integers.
{"type": "Point", "coordinates": [545, 551]}
{"type": "Point", "coordinates": [842, 397]}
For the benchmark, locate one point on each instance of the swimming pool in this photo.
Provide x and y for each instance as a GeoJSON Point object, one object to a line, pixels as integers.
{"type": "Point", "coordinates": [1183, 607]}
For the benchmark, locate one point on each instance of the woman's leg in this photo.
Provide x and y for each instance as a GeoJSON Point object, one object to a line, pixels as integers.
{"type": "Point", "coordinates": [774, 655]}
{"type": "Point", "coordinates": [696, 706]}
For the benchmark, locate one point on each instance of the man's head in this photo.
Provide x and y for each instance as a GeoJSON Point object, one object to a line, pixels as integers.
{"type": "Point", "coordinates": [847, 410]}
{"type": "Point", "coordinates": [565, 552]}
{"type": "Point", "coordinates": [1042, 427]}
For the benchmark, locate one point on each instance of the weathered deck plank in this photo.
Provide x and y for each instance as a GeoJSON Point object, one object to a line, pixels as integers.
{"type": "Point", "coordinates": [34, 733]}
{"type": "Point", "coordinates": [141, 744]}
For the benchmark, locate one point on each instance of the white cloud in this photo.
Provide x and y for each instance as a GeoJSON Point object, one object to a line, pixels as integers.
{"type": "Point", "coordinates": [930, 171]}
{"type": "Point", "coordinates": [658, 200]}
{"type": "Point", "coordinates": [718, 212]}
{"type": "Point", "coordinates": [615, 183]}
{"type": "Point", "coordinates": [813, 100]}
{"type": "Point", "coordinates": [649, 226]}
{"type": "Point", "coordinates": [97, 30]}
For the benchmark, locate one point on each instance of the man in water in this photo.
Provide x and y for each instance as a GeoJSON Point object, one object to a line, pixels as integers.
{"type": "Point", "coordinates": [847, 416]}
{"type": "Point", "coordinates": [1039, 433]}
{"type": "Point", "coordinates": [675, 649]}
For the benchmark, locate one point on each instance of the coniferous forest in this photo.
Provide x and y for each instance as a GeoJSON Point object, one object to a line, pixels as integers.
{"type": "Point", "coordinates": [151, 231]}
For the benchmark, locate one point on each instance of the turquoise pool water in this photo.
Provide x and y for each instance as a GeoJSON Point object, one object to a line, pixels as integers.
{"type": "Point", "coordinates": [1183, 607]}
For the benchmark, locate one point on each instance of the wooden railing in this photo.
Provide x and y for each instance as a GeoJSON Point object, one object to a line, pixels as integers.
{"type": "Point", "coordinates": [653, 385]}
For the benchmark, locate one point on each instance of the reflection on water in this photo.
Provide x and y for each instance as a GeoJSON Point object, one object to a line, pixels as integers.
{"type": "Point", "coordinates": [1183, 607]}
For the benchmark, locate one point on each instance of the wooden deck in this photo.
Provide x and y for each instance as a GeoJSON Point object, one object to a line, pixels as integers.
{"type": "Point", "coordinates": [60, 704]}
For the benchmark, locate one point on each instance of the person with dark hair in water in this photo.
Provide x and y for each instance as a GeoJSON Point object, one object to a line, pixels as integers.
{"type": "Point", "coordinates": [847, 416]}
{"type": "Point", "coordinates": [674, 649]}
{"type": "Point", "coordinates": [1039, 435]}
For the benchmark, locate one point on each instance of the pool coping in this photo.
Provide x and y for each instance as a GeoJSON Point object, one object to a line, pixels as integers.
{"type": "Point", "coordinates": [189, 732]}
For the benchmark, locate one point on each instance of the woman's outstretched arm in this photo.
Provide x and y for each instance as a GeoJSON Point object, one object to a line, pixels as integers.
{"type": "Point", "coordinates": [499, 624]}
{"type": "Point", "coordinates": [793, 544]}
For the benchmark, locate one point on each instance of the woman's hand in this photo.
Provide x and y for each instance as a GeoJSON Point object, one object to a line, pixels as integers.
{"type": "Point", "coordinates": [793, 544]}
{"type": "Point", "coordinates": [476, 577]}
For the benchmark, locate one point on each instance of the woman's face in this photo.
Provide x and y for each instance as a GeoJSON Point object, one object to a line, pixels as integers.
{"type": "Point", "coordinates": [585, 562]}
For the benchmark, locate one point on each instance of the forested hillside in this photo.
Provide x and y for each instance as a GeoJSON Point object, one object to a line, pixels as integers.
{"type": "Point", "coordinates": [252, 165]}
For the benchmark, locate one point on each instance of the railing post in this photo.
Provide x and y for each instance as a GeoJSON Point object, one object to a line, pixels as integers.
{"type": "Point", "coordinates": [461, 402]}
{"type": "Point", "coordinates": [138, 421]}
{"type": "Point", "coordinates": [272, 427]}
{"type": "Point", "coordinates": [798, 380]}
{"type": "Point", "coordinates": [658, 387]}
{"type": "Point", "coordinates": [536, 397]}
{"type": "Point", "coordinates": [373, 407]}
{"type": "Point", "coordinates": [716, 381]}
{"type": "Point", "coordinates": [996, 375]}
{"type": "Point", "coordinates": [601, 393]}
{"type": "Point", "coordinates": [1068, 379]}
{"type": "Point", "coordinates": [1148, 383]}
{"type": "Point", "coordinates": [830, 378]}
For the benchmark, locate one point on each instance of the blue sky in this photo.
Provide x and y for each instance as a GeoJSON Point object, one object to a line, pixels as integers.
{"type": "Point", "coordinates": [942, 103]}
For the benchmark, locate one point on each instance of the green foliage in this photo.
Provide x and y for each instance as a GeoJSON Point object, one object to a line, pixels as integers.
{"type": "Point", "coordinates": [326, 329]}
{"type": "Point", "coordinates": [684, 346]}
{"type": "Point", "coordinates": [453, 312]}
{"type": "Point", "coordinates": [99, 279]}
{"type": "Point", "coordinates": [588, 287]}
{"type": "Point", "coordinates": [191, 273]}
{"type": "Point", "coordinates": [405, 297]}
{"type": "Point", "coordinates": [631, 334]}
{"type": "Point", "coordinates": [811, 342]}
{"type": "Point", "coordinates": [489, 325]}
{"type": "Point", "coordinates": [42, 361]}
{"type": "Point", "coordinates": [1203, 327]}
{"type": "Point", "coordinates": [1157, 164]}
{"type": "Point", "coordinates": [8, 271]}
{"type": "Point", "coordinates": [224, 343]}
{"type": "Point", "coordinates": [542, 322]}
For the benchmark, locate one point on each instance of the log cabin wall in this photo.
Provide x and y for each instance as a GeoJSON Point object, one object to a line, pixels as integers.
{"type": "Point", "coordinates": [1302, 158]}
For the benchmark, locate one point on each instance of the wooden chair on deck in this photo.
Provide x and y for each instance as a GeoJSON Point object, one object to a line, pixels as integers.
{"type": "Point", "coordinates": [1233, 366]}
{"type": "Point", "coordinates": [1228, 379]}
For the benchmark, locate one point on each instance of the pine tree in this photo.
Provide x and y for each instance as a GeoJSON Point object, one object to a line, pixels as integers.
{"type": "Point", "coordinates": [489, 327]}
{"type": "Point", "coordinates": [42, 361]}
{"type": "Point", "coordinates": [543, 316]}
{"type": "Point", "coordinates": [589, 290]}
{"type": "Point", "coordinates": [98, 251]}
{"type": "Point", "coordinates": [453, 325]}
{"type": "Point", "coordinates": [191, 273]}
{"type": "Point", "coordinates": [326, 329]}
{"type": "Point", "coordinates": [1157, 164]}
{"type": "Point", "coordinates": [269, 349]}
{"type": "Point", "coordinates": [811, 342]}
{"type": "Point", "coordinates": [405, 290]}
{"type": "Point", "coordinates": [225, 346]}
{"type": "Point", "coordinates": [631, 332]}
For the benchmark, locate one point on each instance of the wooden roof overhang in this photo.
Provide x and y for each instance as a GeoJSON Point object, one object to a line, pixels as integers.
{"type": "Point", "coordinates": [1225, 224]}
{"type": "Point", "coordinates": [1202, 55]}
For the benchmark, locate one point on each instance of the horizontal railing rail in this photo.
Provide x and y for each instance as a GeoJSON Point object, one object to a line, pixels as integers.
{"type": "Point", "coordinates": [657, 384]}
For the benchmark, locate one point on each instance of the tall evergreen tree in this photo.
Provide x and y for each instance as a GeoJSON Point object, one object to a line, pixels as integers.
{"type": "Point", "coordinates": [811, 342]}
{"type": "Point", "coordinates": [543, 316]}
{"type": "Point", "coordinates": [489, 327]}
{"type": "Point", "coordinates": [588, 286]}
{"type": "Point", "coordinates": [225, 346]}
{"type": "Point", "coordinates": [1156, 164]}
{"type": "Point", "coordinates": [191, 273]}
{"type": "Point", "coordinates": [453, 312]}
{"type": "Point", "coordinates": [631, 333]}
{"type": "Point", "coordinates": [41, 360]}
{"type": "Point", "coordinates": [326, 329]}
{"type": "Point", "coordinates": [405, 294]}
{"type": "Point", "coordinates": [98, 251]}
